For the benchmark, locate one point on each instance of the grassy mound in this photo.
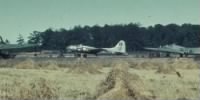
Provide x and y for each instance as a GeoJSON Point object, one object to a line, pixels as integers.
{"type": "Point", "coordinates": [31, 64]}
{"type": "Point", "coordinates": [144, 64]}
{"type": "Point", "coordinates": [82, 66]}
{"type": "Point", "coordinates": [171, 65]}
{"type": "Point", "coordinates": [120, 84]}
{"type": "Point", "coordinates": [51, 65]}
{"type": "Point", "coordinates": [149, 65]}
{"type": "Point", "coordinates": [166, 69]}
{"type": "Point", "coordinates": [4, 63]}
{"type": "Point", "coordinates": [185, 63]}
{"type": "Point", "coordinates": [26, 64]}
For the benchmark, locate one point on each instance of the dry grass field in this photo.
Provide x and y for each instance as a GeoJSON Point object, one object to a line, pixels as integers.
{"type": "Point", "coordinates": [99, 79]}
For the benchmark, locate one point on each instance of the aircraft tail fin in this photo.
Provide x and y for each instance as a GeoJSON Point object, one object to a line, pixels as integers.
{"type": "Point", "coordinates": [121, 46]}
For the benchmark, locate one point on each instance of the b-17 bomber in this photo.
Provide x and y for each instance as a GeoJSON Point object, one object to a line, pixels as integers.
{"type": "Point", "coordinates": [176, 49]}
{"type": "Point", "coordinates": [10, 50]}
{"type": "Point", "coordinates": [83, 50]}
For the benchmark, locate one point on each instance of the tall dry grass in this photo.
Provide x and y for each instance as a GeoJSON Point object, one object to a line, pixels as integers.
{"type": "Point", "coordinates": [35, 90]}
{"type": "Point", "coordinates": [125, 78]}
{"type": "Point", "coordinates": [120, 84]}
{"type": "Point", "coordinates": [82, 66]}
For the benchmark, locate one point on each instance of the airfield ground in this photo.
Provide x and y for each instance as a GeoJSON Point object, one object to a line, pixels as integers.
{"type": "Point", "coordinates": [100, 78]}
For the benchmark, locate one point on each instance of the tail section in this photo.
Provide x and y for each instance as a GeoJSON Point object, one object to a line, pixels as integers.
{"type": "Point", "coordinates": [120, 47]}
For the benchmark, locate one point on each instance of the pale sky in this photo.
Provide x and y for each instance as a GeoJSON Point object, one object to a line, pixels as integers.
{"type": "Point", "coordinates": [25, 16]}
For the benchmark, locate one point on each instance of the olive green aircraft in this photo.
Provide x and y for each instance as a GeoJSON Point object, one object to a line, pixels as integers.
{"type": "Point", "coordinates": [10, 50]}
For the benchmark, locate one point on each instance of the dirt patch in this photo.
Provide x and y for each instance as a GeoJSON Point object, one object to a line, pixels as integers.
{"type": "Point", "coordinates": [120, 84]}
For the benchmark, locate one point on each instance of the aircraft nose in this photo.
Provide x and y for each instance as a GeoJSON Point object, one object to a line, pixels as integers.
{"type": "Point", "coordinates": [70, 48]}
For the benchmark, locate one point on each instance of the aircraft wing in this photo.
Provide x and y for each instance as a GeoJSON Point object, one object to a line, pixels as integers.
{"type": "Point", "coordinates": [168, 50]}
{"type": "Point", "coordinates": [193, 51]}
{"type": "Point", "coordinates": [95, 51]}
{"type": "Point", "coordinates": [16, 46]}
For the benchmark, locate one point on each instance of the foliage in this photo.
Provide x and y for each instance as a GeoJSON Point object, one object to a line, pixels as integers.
{"type": "Point", "coordinates": [135, 36]}
{"type": "Point", "coordinates": [20, 39]}
{"type": "Point", "coordinates": [34, 38]}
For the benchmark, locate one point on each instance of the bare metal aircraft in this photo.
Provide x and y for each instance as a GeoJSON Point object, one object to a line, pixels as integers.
{"type": "Point", "coordinates": [176, 49]}
{"type": "Point", "coordinates": [83, 50]}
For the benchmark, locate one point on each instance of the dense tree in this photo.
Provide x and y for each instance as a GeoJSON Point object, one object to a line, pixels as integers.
{"type": "Point", "coordinates": [7, 41]}
{"type": "Point", "coordinates": [20, 39]}
{"type": "Point", "coordinates": [136, 37]}
{"type": "Point", "coordinates": [35, 38]}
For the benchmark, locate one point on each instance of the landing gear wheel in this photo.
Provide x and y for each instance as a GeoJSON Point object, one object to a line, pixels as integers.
{"type": "Point", "coordinates": [181, 55]}
{"type": "Point", "coordinates": [35, 55]}
{"type": "Point", "coordinates": [84, 55]}
{"type": "Point", "coordinates": [158, 55]}
{"type": "Point", "coordinates": [168, 55]}
{"type": "Point", "coordinates": [78, 55]}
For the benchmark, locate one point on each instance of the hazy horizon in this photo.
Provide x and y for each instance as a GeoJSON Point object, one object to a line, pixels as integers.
{"type": "Point", "coordinates": [25, 16]}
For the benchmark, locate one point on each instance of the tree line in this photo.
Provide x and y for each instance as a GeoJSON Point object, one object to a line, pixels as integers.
{"type": "Point", "coordinates": [135, 36]}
